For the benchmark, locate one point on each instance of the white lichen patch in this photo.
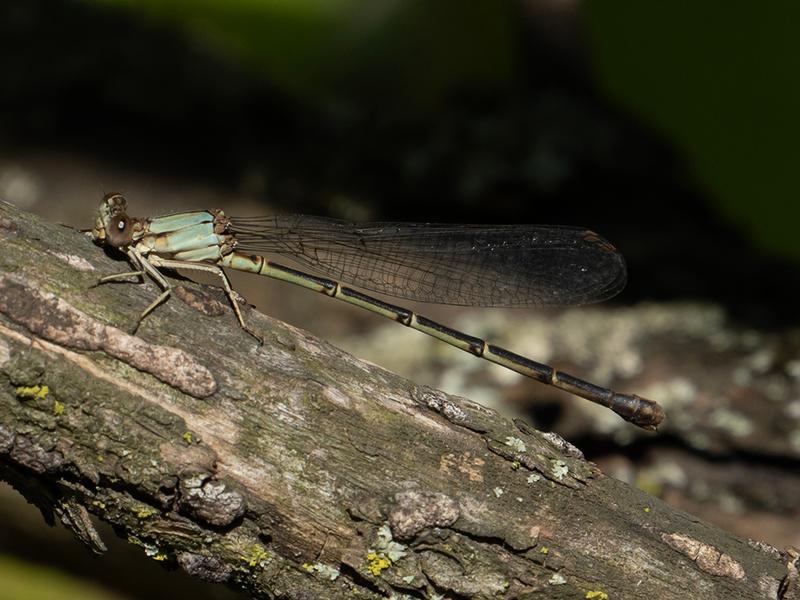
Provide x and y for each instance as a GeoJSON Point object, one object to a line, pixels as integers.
{"type": "Point", "coordinates": [498, 491]}
{"type": "Point", "coordinates": [560, 469]}
{"type": "Point", "coordinates": [534, 478]}
{"type": "Point", "coordinates": [557, 579]}
{"type": "Point", "coordinates": [516, 444]}
{"type": "Point", "coordinates": [325, 571]}
{"type": "Point", "coordinates": [384, 543]}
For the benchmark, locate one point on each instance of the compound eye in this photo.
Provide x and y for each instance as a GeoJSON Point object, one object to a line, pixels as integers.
{"type": "Point", "coordinates": [120, 231]}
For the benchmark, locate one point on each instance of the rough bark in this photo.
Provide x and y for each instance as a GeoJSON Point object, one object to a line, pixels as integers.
{"type": "Point", "coordinates": [294, 470]}
{"type": "Point", "coordinates": [730, 449]}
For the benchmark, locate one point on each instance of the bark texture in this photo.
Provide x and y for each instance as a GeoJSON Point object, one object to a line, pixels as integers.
{"type": "Point", "coordinates": [297, 471]}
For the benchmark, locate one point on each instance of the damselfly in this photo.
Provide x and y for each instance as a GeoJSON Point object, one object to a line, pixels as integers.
{"type": "Point", "coordinates": [469, 265]}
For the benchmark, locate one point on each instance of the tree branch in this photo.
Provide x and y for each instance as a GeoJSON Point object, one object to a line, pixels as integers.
{"type": "Point", "coordinates": [294, 470]}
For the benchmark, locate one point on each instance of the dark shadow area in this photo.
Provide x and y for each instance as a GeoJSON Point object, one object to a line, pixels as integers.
{"type": "Point", "coordinates": [125, 568]}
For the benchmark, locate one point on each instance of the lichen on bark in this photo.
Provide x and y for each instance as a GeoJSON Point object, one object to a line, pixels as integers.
{"type": "Point", "coordinates": [305, 472]}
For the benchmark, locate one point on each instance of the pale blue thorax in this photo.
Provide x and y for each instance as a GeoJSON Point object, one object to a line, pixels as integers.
{"type": "Point", "coordinates": [185, 236]}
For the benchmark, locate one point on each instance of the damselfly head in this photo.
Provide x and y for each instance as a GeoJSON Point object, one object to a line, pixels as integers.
{"type": "Point", "coordinates": [113, 226]}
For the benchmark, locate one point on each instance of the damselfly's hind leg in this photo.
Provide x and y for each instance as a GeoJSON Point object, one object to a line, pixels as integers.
{"type": "Point", "coordinates": [215, 270]}
{"type": "Point", "coordinates": [161, 298]}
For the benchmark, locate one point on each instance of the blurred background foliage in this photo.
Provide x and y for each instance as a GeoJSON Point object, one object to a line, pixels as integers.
{"type": "Point", "coordinates": [327, 53]}
{"type": "Point", "coordinates": [26, 581]}
{"type": "Point", "coordinates": [670, 128]}
{"type": "Point", "coordinates": [715, 78]}
{"type": "Point", "coordinates": [718, 80]}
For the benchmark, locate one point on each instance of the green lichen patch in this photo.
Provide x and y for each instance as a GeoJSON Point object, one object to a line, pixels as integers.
{"type": "Point", "coordinates": [384, 553]}
{"type": "Point", "coordinates": [32, 392]}
{"type": "Point", "coordinates": [258, 556]}
{"type": "Point", "coordinates": [145, 512]}
{"type": "Point", "coordinates": [377, 563]}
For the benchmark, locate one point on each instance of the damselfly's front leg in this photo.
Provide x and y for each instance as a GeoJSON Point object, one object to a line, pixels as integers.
{"type": "Point", "coordinates": [118, 276]}
{"type": "Point", "coordinates": [137, 260]}
{"type": "Point", "coordinates": [156, 261]}
{"type": "Point", "coordinates": [145, 268]}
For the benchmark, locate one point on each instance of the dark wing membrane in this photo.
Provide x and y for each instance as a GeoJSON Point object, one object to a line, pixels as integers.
{"type": "Point", "coordinates": [468, 265]}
